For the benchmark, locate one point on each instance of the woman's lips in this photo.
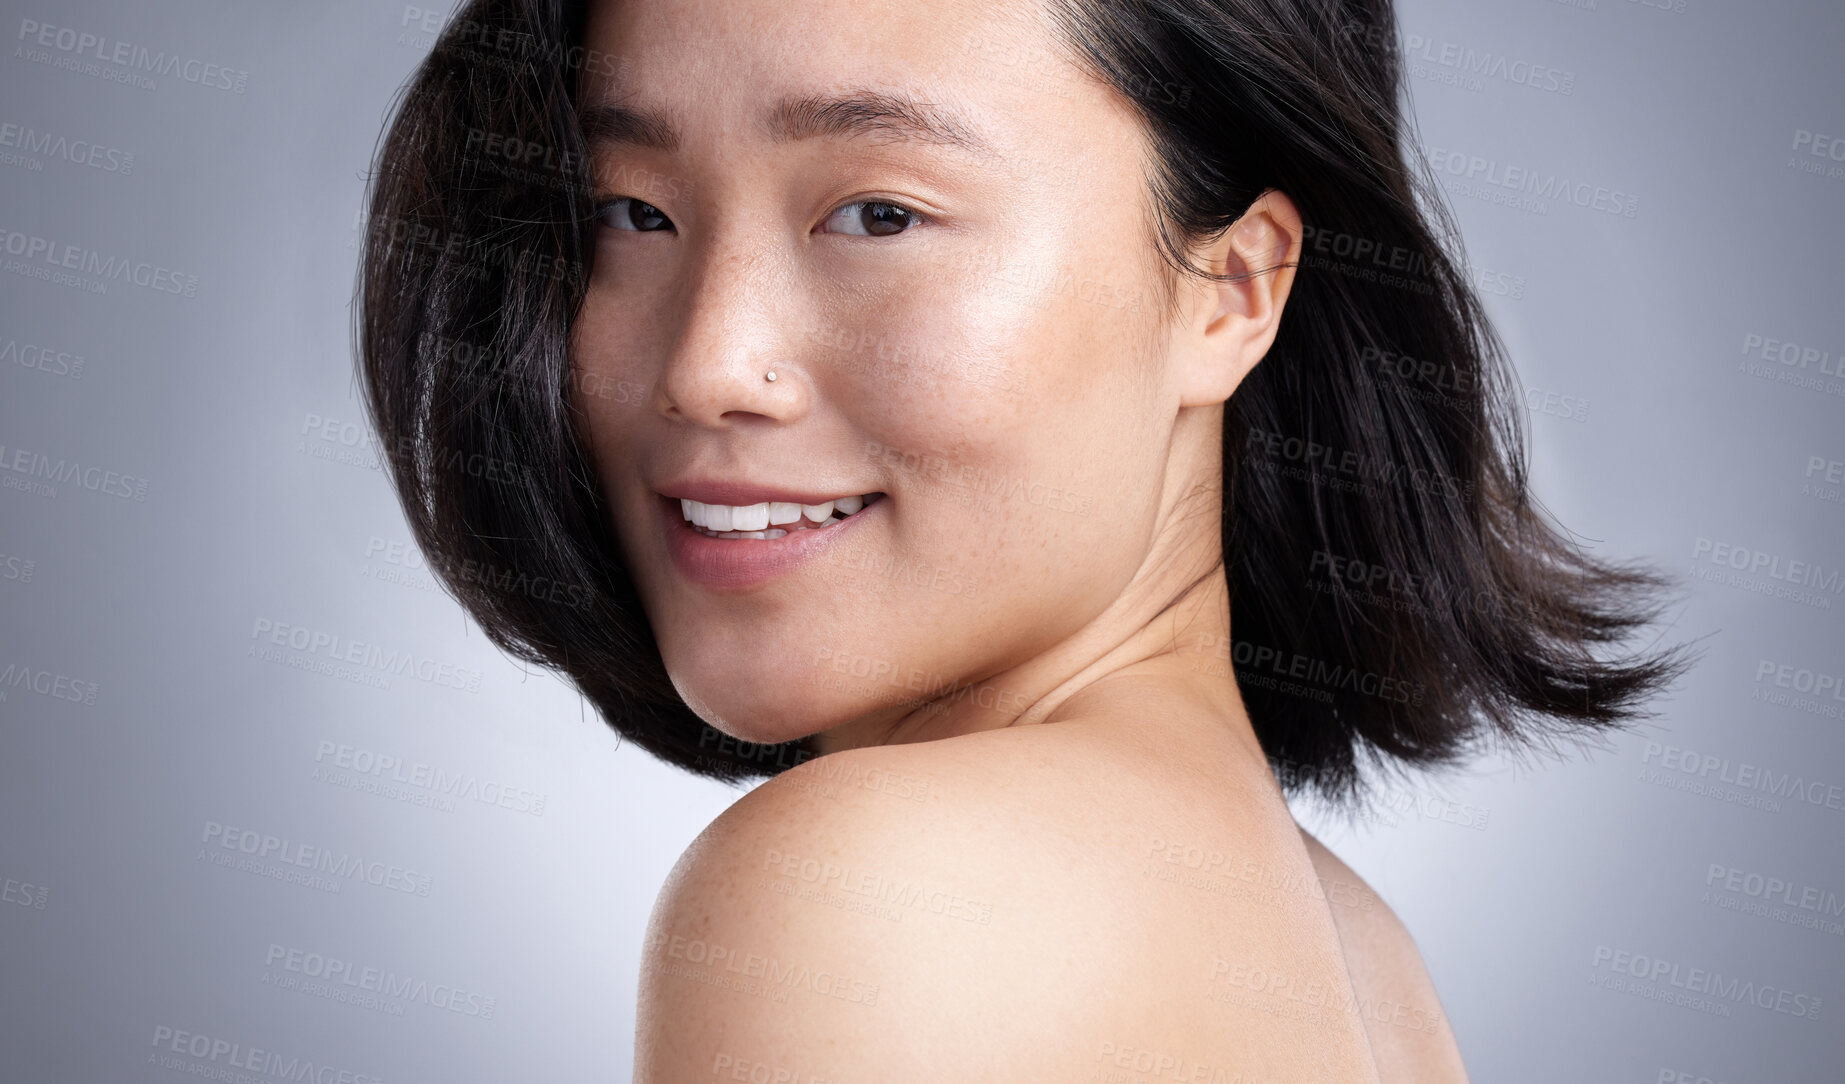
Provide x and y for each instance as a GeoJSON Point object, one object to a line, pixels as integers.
{"type": "Point", "coordinates": [738, 563]}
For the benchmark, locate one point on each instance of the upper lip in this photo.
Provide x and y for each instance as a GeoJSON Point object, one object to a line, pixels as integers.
{"type": "Point", "coordinates": [712, 491]}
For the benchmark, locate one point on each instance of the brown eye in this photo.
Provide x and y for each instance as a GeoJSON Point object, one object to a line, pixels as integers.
{"type": "Point", "coordinates": [872, 218]}
{"type": "Point", "coordinates": [628, 213]}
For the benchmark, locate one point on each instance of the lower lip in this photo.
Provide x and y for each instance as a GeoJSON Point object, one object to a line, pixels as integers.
{"type": "Point", "coordinates": [729, 564]}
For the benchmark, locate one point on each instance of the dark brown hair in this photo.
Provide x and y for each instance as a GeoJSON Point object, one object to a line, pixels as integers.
{"type": "Point", "coordinates": [1395, 591]}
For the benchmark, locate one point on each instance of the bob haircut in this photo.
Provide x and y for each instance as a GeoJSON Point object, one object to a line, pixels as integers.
{"type": "Point", "coordinates": [1395, 592]}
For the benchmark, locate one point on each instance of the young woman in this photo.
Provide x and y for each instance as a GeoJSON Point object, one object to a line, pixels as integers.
{"type": "Point", "coordinates": [1034, 435]}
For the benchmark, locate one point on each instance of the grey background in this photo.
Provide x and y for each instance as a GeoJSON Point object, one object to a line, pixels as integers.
{"type": "Point", "coordinates": [1651, 431]}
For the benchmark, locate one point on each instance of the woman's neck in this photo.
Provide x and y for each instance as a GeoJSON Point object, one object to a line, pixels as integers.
{"type": "Point", "coordinates": [1177, 632]}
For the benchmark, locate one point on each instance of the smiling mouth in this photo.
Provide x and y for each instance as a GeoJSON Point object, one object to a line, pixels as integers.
{"type": "Point", "coordinates": [792, 517]}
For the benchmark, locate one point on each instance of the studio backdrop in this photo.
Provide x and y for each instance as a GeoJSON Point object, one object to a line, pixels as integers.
{"type": "Point", "coordinates": [250, 749]}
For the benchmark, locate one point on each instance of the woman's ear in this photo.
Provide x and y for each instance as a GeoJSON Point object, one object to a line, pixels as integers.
{"type": "Point", "coordinates": [1226, 327]}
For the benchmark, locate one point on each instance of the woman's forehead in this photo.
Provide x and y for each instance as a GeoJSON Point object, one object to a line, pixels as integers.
{"type": "Point", "coordinates": [989, 84]}
{"type": "Point", "coordinates": [1004, 52]}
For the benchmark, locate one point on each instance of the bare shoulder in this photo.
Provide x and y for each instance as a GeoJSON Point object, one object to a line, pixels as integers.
{"type": "Point", "coordinates": [897, 913]}
{"type": "Point", "coordinates": [1409, 1032]}
{"type": "Point", "coordinates": [839, 921]}
{"type": "Point", "coordinates": [987, 907]}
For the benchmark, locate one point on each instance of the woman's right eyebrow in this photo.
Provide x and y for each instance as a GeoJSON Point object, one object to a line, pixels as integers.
{"type": "Point", "coordinates": [607, 124]}
{"type": "Point", "coordinates": [863, 113]}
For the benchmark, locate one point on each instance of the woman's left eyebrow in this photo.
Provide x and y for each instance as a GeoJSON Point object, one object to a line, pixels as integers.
{"type": "Point", "coordinates": [853, 114]}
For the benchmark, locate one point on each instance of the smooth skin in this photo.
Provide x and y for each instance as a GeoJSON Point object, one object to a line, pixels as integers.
{"type": "Point", "coordinates": [1043, 844]}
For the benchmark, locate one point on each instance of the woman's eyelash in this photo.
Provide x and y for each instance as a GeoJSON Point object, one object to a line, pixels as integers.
{"type": "Point", "coordinates": [910, 218]}
{"type": "Point", "coordinates": [603, 206]}
{"type": "Point", "coordinates": [887, 213]}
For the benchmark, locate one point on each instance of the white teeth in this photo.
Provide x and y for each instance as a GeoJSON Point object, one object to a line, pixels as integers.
{"type": "Point", "coordinates": [749, 517]}
{"type": "Point", "coordinates": [750, 520]}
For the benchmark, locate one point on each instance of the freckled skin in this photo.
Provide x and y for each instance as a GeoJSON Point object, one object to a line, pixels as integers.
{"type": "Point", "coordinates": [1048, 435]}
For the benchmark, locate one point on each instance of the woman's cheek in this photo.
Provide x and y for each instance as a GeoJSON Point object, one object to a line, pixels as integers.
{"type": "Point", "coordinates": [928, 374]}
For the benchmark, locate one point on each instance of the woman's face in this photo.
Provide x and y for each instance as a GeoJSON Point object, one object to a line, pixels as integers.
{"type": "Point", "coordinates": [937, 234]}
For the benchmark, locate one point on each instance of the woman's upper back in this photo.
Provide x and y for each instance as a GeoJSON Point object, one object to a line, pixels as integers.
{"type": "Point", "coordinates": [1075, 899]}
{"type": "Point", "coordinates": [1408, 1029]}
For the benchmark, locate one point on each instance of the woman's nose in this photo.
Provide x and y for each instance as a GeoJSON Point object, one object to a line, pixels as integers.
{"type": "Point", "coordinates": [739, 321]}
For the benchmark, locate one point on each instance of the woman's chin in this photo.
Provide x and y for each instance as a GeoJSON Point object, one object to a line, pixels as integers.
{"type": "Point", "coordinates": [754, 731]}
{"type": "Point", "coordinates": [749, 719]}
